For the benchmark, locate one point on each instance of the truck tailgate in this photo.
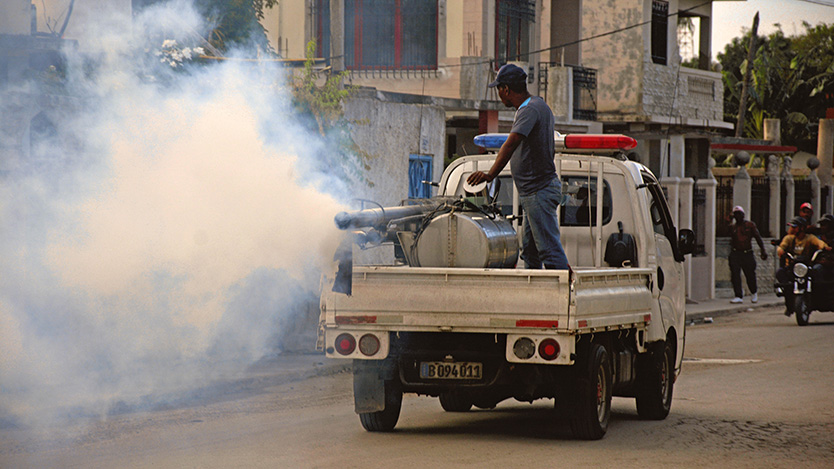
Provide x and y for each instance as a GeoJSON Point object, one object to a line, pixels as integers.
{"type": "Point", "coordinates": [611, 297]}
{"type": "Point", "coordinates": [432, 299]}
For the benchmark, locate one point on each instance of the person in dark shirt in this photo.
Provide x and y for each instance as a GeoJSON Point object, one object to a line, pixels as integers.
{"type": "Point", "coordinates": [741, 258]}
{"type": "Point", "coordinates": [530, 149]}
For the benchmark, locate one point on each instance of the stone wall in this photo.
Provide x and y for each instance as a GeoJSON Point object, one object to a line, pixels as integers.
{"type": "Point", "coordinates": [690, 94]}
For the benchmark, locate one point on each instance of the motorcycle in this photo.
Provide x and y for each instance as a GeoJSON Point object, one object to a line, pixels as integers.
{"type": "Point", "coordinates": [805, 291]}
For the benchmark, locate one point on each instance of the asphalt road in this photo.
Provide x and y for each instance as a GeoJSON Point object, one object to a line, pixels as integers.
{"type": "Point", "coordinates": [756, 391]}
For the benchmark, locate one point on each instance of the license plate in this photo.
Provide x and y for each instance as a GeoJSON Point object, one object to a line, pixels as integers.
{"type": "Point", "coordinates": [451, 370]}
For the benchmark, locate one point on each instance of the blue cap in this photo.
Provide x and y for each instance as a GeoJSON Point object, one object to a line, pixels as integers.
{"type": "Point", "coordinates": [509, 74]}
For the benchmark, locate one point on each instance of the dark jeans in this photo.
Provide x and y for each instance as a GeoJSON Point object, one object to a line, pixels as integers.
{"type": "Point", "coordinates": [743, 261]}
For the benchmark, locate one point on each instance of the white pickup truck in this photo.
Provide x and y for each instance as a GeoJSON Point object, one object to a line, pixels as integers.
{"type": "Point", "coordinates": [456, 318]}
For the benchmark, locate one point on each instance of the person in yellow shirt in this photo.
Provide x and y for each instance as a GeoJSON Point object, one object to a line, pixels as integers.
{"type": "Point", "coordinates": [797, 241]}
{"type": "Point", "coordinates": [800, 244]}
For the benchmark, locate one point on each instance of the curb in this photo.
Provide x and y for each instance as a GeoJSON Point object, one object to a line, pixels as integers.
{"type": "Point", "coordinates": [732, 309]}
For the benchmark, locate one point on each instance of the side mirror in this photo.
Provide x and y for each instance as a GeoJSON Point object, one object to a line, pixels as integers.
{"type": "Point", "coordinates": [686, 241]}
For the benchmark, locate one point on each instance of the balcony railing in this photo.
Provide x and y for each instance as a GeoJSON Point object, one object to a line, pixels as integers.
{"type": "Point", "coordinates": [583, 82]}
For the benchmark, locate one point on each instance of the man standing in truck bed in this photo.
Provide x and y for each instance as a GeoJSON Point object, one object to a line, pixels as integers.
{"type": "Point", "coordinates": [533, 169]}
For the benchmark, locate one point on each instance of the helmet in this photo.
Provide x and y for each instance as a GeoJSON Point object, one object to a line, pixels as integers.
{"type": "Point", "coordinates": [799, 222]}
{"type": "Point", "coordinates": [807, 206]}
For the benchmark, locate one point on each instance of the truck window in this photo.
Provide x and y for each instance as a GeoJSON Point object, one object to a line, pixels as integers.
{"type": "Point", "coordinates": [580, 209]}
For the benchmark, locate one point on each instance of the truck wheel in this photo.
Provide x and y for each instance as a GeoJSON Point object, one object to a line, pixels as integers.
{"type": "Point", "coordinates": [589, 420]}
{"type": "Point", "coordinates": [385, 420]}
{"type": "Point", "coordinates": [655, 381]}
{"type": "Point", "coordinates": [455, 402]}
{"type": "Point", "coordinates": [803, 312]}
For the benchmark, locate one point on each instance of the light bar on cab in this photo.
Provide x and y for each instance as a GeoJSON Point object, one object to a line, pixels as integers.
{"type": "Point", "coordinates": [567, 142]}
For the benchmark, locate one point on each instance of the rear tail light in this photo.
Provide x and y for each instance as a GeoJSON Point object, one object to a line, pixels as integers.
{"type": "Point", "coordinates": [369, 345]}
{"type": "Point", "coordinates": [549, 349]}
{"type": "Point", "coordinates": [345, 344]}
{"type": "Point", "coordinates": [524, 348]}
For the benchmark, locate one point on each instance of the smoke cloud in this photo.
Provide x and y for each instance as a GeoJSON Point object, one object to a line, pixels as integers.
{"type": "Point", "coordinates": [165, 229]}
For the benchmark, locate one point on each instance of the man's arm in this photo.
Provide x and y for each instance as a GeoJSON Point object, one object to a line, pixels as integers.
{"type": "Point", "coordinates": [504, 155]}
{"type": "Point", "coordinates": [760, 241]}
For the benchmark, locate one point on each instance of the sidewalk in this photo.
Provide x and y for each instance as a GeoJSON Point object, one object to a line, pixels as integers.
{"type": "Point", "coordinates": [722, 306]}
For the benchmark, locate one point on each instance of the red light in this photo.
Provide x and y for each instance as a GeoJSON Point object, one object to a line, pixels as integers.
{"type": "Point", "coordinates": [369, 345]}
{"type": "Point", "coordinates": [345, 344]}
{"type": "Point", "coordinates": [600, 142]}
{"type": "Point", "coordinates": [549, 349]}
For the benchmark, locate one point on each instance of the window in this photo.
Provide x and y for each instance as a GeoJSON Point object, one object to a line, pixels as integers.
{"type": "Point", "coordinates": [390, 34]}
{"type": "Point", "coordinates": [513, 19]}
{"type": "Point", "coordinates": [581, 208]}
{"type": "Point", "coordinates": [660, 23]}
{"type": "Point", "coordinates": [419, 170]}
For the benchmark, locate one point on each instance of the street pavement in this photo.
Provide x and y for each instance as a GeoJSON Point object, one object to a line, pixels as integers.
{"type": "Point", "coordinates": [297, 366]}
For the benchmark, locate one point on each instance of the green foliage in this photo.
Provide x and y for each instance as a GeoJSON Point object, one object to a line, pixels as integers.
{"type": "Point", "coordinates": [792, 80]}
{"type": "Point", "coordinates": [320, 106]}
{"type": "Point", "coordinates": [237, 22]}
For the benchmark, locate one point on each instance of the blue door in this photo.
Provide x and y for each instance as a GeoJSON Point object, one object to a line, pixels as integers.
{"type": "Point", "coordinates": [419, 170]}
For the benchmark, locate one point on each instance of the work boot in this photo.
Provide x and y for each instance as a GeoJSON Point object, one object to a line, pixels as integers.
{"type": "Point", "coordinates": [736, 300]}
{"type": "Point", "coordinates": [755, 298]}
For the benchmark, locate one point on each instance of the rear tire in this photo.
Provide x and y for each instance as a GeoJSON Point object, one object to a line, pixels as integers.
{"type": "Point", "coordinates": [455, 402]}
{"type": "Point", "coordinates": [803, 312]}
{"type": "Point", "coordinates": [655, 382]}
{"type": "Point", "coordinates": [589, 419]}
{"type": "Point", "coordinates": [385, 420]}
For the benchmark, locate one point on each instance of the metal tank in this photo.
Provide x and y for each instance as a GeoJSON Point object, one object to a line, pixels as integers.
{"type": "Point", "coordinates": [466, 239]}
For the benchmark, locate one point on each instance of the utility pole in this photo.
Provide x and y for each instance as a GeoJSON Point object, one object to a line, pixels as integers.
{"type": "Point", "coordinates": [751, 54]}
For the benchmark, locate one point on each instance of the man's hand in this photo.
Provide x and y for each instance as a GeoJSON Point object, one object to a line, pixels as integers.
{"type": "Point", "coordinates": [478, 177]}
{"type": "Point", "coordinates": [764, 255]}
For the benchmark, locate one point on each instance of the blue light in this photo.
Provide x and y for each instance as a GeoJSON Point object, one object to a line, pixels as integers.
{"type": "Point", "coordinates": [490, 141]}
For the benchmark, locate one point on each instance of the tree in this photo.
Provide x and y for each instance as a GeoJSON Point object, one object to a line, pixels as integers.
{"type": "Point", "coordinates": [321, 107]}
{"type": "Point", "coordinates": [236, 22]}
{"type": "Point", "coordinates": [790, 78]}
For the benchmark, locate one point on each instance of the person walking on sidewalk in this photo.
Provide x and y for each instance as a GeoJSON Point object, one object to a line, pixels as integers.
{"type": "Point", "coordinates": [741, 257]}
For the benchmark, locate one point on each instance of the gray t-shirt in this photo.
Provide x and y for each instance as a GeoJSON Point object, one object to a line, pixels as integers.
{"type": "Point", "coordinates": [532, 163]}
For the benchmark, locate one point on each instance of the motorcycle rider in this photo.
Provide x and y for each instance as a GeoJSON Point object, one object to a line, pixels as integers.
{"type": "Point", "coordinates": [797, 242]}
{"type": "Point", "coordinates": [824, 265]}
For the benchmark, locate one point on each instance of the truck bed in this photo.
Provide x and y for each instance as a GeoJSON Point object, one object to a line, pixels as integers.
{"type": "Point", "coordinates": [401, 298]}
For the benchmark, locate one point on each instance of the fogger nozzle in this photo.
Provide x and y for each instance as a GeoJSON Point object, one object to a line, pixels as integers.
{"type": "Point", "coordinates": [381, 216]}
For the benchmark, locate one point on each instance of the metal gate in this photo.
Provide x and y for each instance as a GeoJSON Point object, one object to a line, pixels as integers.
{"type": "Point", "coordinates": [760, 204]}
{"type": "Point", "coordinates": [723, 205]}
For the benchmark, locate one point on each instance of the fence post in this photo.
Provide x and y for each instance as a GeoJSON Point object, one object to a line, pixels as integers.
{"type": "Point", "coordinates": [813, 164]}
{"type": "Point", "coordinates": [775, 183]}
{"type": "Point", "coordinates": [742, 185]}
{"type": "Point", "coordinates": [709, 185]}
{"type": "Point", "coordinates": [790, 195]}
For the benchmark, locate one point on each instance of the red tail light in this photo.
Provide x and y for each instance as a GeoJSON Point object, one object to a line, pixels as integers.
{"type": "Point", "coordinates": [549, 349]}
{"type": "Point", "coordinates": [345, 344]}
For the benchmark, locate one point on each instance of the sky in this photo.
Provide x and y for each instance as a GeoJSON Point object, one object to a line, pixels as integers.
{"type": "Point", "coordinates": [729, 17]}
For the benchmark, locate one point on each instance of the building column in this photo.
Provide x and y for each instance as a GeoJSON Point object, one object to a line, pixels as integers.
{"type": "Point", "coordinates": [488, 121]}
{"type": "Point", "coordinates": [685, 221]}
{"type": "Point", "coordinates": [337, 35]}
